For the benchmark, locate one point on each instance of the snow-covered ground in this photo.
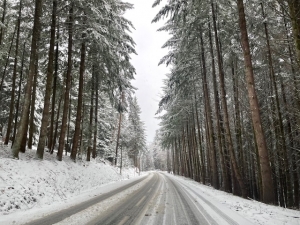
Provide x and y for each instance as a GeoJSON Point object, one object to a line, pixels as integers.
{"type": "Point", "coordinates": [31, 189]}
{"type": "Point", "coordinates": [27, 184]}
{"type": "Point", "coordinates": [256, 212]}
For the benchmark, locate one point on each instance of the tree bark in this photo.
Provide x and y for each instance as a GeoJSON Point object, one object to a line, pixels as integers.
{"type": "Point", "coordinates": [7, 60]}
{"type": "Point", "coordinates": [201, 148]}
{"type": "Point", "coordinates": [48, 91]}
{"type": "Point", "coordinates": [294, 7]}
{"type": "Point", "coordinates": [19, 95]}
{"type": "Point", "coordinates": [14, 77]}
{"type": "Point", "coordinates": [266, 174]}
{"type": "Point", "coordinates": [94, 152]}
{"type": "Point", "coordinates": [226, 180]}
{"type": "Point", "coordinates": [32, 107]}
{"type": "Point", "coordinates": [90, 145]}
{"type": "Point", "coordinates": [118, 137]}
{"type": "Point", "coordinates": [2, 21]}
{"type": "Point", "coordinates": [285, 159]}
{"type": "Point", "coordinates": [215, 177]}
{"type": "Point", "coordinates": [80, 100]}
{"type": "Point", "coordinates": [50, 141]}
{"type": "Point", "coordinates": [56, 125]}
{"type": "Point", "coordinates": [225, 111]}
{"type": "Point", "coordinates": [68, 86]}
{"type": "Point", "coordinates": [27, 98]}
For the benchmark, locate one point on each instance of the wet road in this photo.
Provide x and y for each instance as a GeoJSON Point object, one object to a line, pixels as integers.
{"type": "Point", "coordinates": [157, 199]}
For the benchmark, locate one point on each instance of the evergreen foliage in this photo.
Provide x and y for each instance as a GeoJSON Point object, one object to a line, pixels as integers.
{"type": "Point", "coordinates": [208, 127]}
{"type": "Point", "coordinates": [98, 62]}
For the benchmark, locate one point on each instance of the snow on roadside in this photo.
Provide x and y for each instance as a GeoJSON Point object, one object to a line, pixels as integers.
{"type": "Point", "coordinates": [256, 212]}
{"type": "Point", "coordinates": [28, 183]}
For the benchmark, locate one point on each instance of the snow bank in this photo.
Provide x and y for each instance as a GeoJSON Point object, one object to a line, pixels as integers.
{"type": "Point", "coordinates": [256, 212]}
{"type": "Point", "coordinates": [29, 183]}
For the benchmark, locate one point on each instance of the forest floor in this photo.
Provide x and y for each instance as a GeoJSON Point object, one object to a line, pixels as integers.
{"type": "Point", "coordinates": [31, 189]}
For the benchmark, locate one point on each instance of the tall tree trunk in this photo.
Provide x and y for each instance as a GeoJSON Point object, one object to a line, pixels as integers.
{"type": "Point", "coordinates": [48, 91]}
{"type": "Point", "coordinates": [2, 21]}
{"type": "Point", "coordinates": [50, 141]}
{"type": "Point", "coordinates": [56, 124]}
{"type": "Point", "coordinates": [118, 137]}
{"type": "Point", "coordinates": [215, 177]}
{"type": "Point", "coordinates": [285, 159]}
{"type": "Point", "coordinates": [294, 6]}
{"type": "Point", "coordinates": [7, 59]}
{"type": "Point", "coordinates": [19, 95]}
{"type": "Point", "coordinates": [32, 108]}
{"type": "Point", "coordinates": [96, 85]}
{"type": "Point", "coordinates": [237, 119]}
{"type": "Point", "coordinates": [265, 169]}
{"type": "Point", "coordinates": [225, 111]}
{"type": "Point", "coordinates": [80, 100]}
{"type": "Point", "coordinates": [90, 143]}
{"type": "Point", "coordinates": [292, 154]}
{"type": "Point", "coordinates": [68, 145]}
{"type": "Point", "coordinates": [14, 77]}
{"type": "Point", "coordinates": [33, 58]}
{"type": "Point", "coordinates": [225, 175]}
{"type": "Point", "coordinates": [200, 146]}
{"type": "Point", "coordinates": [68, 86]}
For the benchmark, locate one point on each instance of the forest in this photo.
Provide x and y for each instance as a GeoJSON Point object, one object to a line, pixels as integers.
{"type": "Point", "coordinates": [230, 109]}
{"type": "Point", "coordinates": [65, 83]}
{"type": "Point", "coordinates": [230, 112]}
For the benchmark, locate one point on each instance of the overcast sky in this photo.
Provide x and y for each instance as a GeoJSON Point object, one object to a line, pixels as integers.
{"type": "Point", "coordinates": [149, 75]}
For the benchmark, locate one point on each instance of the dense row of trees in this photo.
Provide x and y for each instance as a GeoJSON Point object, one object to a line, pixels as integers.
{"type": "Point", "coordinates": [65, 78]}
{"type": "Point", "coordinates": [232, 99]}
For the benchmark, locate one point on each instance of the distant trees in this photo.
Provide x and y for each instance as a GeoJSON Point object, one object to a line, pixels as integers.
{"type": "Point", "coordinates": [137, 139]}
{"type": "Point", "coordinates": [232, 97]}
{"type": "Point", "coordinates": [130, 135]}
{"type": "Point", "coordinates": [71, 75]}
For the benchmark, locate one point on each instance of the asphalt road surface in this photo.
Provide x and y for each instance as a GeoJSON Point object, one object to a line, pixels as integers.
{"type": "Point", "coordinates": [157, 199]}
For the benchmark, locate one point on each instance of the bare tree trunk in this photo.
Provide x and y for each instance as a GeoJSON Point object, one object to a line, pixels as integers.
{"type": "Point", "coordinates": [7, 60]}
{"type": "Point", "coordinates": [189, 151]}
{"type": "Point", "coordinates": [215, 178]}
{"type": "Point", "coordinates": [292, 154]}
{"type": "Point", "coordinates": [225, 175]}
{"type": "Point", "coordinates": [14, 77]}
{"type": "Point", "coordinates": [68, 145]}
{"type": "Point", "coordinates": [48, 91]}
{"type": "Point", "coordinates": [68, 86]}
{"type": "Point", "coordinates": [2, 21]}
{"type": "Point", "coordinates": [80, 100]}
{"type": "Point", "coordinates": [201, 147]}
{"type": "Point", "coordinates": [294, 6]}
{"type": "Point", "coordinates": [285, 159]}
{"type": "Point", "coordinates": [56, 125]}
{"type": "Point", "coordinates": [19, 95]}
{"type": "Point", "coordinates": [118, 137]}
{"type": "Point", "coordinates": [50, 141]}
{"type": "Point", "coordinates": [266, 174]}
{"type": "Point", "coordinates": [32, 107]}
{"type": "Point", "coordinates": [96, 85]}
{"type": "Point", "coordinates": [27, 98]}
{"type": "Point", "coordinates": [90, 143]}
{"type": "Point", "coordinates": [225, 111]}
{"type": "Point", "coordinates": [237, 119]}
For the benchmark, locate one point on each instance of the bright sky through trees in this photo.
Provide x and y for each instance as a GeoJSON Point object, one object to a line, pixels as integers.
{"type": "Point", "coordinates": [149, 75]}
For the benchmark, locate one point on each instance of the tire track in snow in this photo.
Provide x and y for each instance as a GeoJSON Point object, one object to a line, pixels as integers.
{"type": "Point", "coordinates": [63, 214]}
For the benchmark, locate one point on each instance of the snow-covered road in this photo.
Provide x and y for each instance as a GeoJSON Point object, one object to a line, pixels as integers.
{"type": "Point", "coordinates": [157, 199]}
{"type": "Point", "coordinates": [86, 192]}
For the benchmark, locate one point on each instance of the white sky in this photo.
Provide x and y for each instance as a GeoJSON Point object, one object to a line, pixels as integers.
{"type": "Point", "coordinates": [149, 75]}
